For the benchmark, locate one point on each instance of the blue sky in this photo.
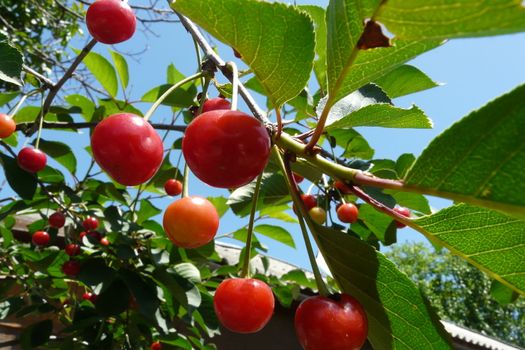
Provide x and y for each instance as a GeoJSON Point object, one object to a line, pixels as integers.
{"type": "Point", "coordinates": [473, 72]}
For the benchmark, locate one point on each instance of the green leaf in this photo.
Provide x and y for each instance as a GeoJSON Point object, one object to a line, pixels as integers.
{"type": "Point", "coordinates": [318, 15]}
{"type": "Point", "coordinates": [122, 68]}
{"type": "Point", "coordinates": [398, 315]}
{"type": "Point", "coordinates": [180, 97]}
{"type": "Point", "coordinates": [22, 182]}
{"type": "Point", "coordinates": [370, 65]}
{"type": "Point", "coordinates": [416, 19]}
{"type": "Point", "coordinates": [380, 224]}
{"type": "Point", "coordinates": [11, 61]}
{"type": "Point", "coordinates": [480, 159]}
{"type": "Point", "coordinates": [173, 75]}
{"type": "Point", "coordinates": [411, 200]}
{"type": "Point", "coordinates": [275, 40]}
{"type": "Point", "coordinates": [277, 233]}
{"type": "Point", "coordinates": [146, 211]}
{"type": "Point", "coordinates": [27, 114]}
{"type": "Point", "coordinates": [487, 239]}
{"type": "Point", "coordinates": [102, 70]}
{"type": "Point", "coordinates": [220, 204]}
{"type": "Point", "coordinates": [143, 291]}
{"type": "Point", "coordinates": [6, 97]}
{"type": "Point", "coordinates": [114, 299]}
{"type": "Point", "coordinates": [345, 24]}
{"type": "Point", "coordinates": [86, 106]}
{"type": "Point", "coordinates": [278, 212]}
{"type": "Point", "coordinates": [188, 271]}
{"type": "Point", "coordinates": [502, 294]}
{"type": "Point", "coordinates": [354, 145]}
{"type": "Point", "coordinates": [405, 80]}
{"type": "Point", "coordinates": [61, 153]}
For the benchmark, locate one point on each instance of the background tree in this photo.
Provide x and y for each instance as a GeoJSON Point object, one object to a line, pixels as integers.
{"type": "Point", "coordinates": [461, 293]}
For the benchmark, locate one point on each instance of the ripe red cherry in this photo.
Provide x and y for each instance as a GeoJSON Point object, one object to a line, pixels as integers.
{"type": "Point", "coordinates": [402, 211]}
{"type": "Point", "coordinates": [191, 222]}
{"type": "Point", "coordinates": [40, 238]}
{"type": "Point", "coordinates": [90, 223]}
{"type": "Point", "coordinates": [127, 148]}
{"type": "Point", "coordinates": [298, 178]}
{"type": "Point", "coordinates": [56, 220]}
{"type": "Point", "coordinates": [309, 201]}
{"type": "Point", "coordinates": [318, 215]}
{"type": "Point", "coordinates": [173, 187]}
{"type": "Point", "coordinates": [89, 296]}
{"type": "Point", "coordinates": [323, 323]}
{"type": "Point", "coordinates": [7, 126]}
{"type": "Point", "coordinates": [31, 159]}
{"type": "Point", "coordinates": [226, 149]}
{"type": "Point", "coordinates": [104, 241]}
{"type": "Point", "coordinates": [156, 346]}
{"type": "Point", "coordinates": [72, 249]}
{"type": "Point", "coordinates": [342, 187]}
{"type": "Point", "coordinates": [71, 268]}
{"type": "Point", "coordinates": [216, 103]}
{"type": "Point", "coordinates": [111, 21]}
{"type": "Point", "coordinates": [348, 213]}
{"type": "Point", "coordinates": [243, 305]}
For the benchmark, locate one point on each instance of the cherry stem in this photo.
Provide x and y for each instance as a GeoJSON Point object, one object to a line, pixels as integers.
{"type": "Point", "coordinates": [301, 214]}
{"type": "Point", "coordinates": [185, 183]}
{"type": "Point", "coordinates": [279, 123]}
{"type": "Point", "coordinates": [169, 91]}
{"type": "Point", "coordinates": [40, 124]}
{"type": "Point", "coordinates": [235, 84]}
{"type": "Point", "coordinates": [19, 104]}
{"type": "Point", "coordinates": [247, 251]}
{"type": "Point", "coordinates": [204, 93]}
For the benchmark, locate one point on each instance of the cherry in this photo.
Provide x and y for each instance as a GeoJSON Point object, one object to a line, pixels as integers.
{"type": "Point", "coordinates": [226, 149]}
{"type": "Point", "coordinates": [89, 296]}
{"type": "Point", "coordinates": [71, 268]}
{"type": "Point", "coordinates": [40, 238]}
{"type": "Point", "coordinates": [95, 235]}
{"type": "Point", "coordinates": [191, 222]}
{"type": "Point", "coordinates": [342, 187]}
{"type": "Point", "coordinates": [72, 249]}
{"type": "Point", "coordinates": [173, 187]}
{"type": "Point", "coordinates": [318, 215]}
{"type": "Point", "coordinates": [309, 201]}
{"type": "Point", "coordinates": [127, 148]}
{"type": "Point", "coordinates": [322, 323]}
{"type": "Point", "coordinates": [110, 21]}
{"type": "Point", "coordinates": [216, 103]}
{"type": "Point", "coordinates": [7, 126]}
{"type": "Point", "coordinates": [243, 305]}
{"type": "Point", "coordinates": [90, 223]}
{"type": "Point", "coordinates": [298, 178]}
{"type": "Point", "coordinates": [402, 211]}
{"type": "Point", "coordinates": [156, 345]}
{"type": "Point", "coordinates": [348, 213]}
{"type": "Point", "coordinates": [56, 220]}
{"type": "Point", "coordinates": [104, 241]}
{"type": "Point", "coordinates": [31, 159]}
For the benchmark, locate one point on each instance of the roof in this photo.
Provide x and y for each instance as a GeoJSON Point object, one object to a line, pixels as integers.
{"type": "Point", "coordinates": [472, 337]}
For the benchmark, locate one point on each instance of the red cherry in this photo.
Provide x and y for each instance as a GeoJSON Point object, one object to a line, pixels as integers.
{"type": "Point", "coordinates": [127, 148]}
{"type": "Point", "coordinates": [348, 213]}
{"type": "Point", "coordinates": [342, 187]}
{"type": "Point", "coordinates": [298, 178]}
{"type": "Point", "coordinates": [7, 126]}
{"type": "Point", "coordinates": [309, 201]}
{"type": "Point", "coordinates": [56, 220]}
{"type": "Point", "coordinates": [216, 103]}
{"type": "Point", "coordinates": [104, 241]}
{"type": "Point", "coordinates": [191, 222]}
{"type": "Point", "coordinates": [31, 159]}
{"type": "Point", "coordinates": [72, 249]}
{"type": "Point", "coordinates": [89, 296]}
{"type": "Point", "coordinates": [402, 211]}
{"type": "Point", "coordinates": [318, 215]}
{"type": "Point", "coordinates": [325, 324]}
{"type": "Point", "coordinates": [111, 21]}
{"type": "Point", "coordinates": [41, 238]}
{"type": "Point", "coordinates": [243, 305]}
{"type": "Point", "coordinates": [156, 346]}
{"type": "Point", "coordinates": [226, 149]}
{"type": "Point", "coordinates": [90, 223]}
{"type": "Point", "coordinates": [71, 268]}
{"type": "Point", "coordinates": [173, 187]}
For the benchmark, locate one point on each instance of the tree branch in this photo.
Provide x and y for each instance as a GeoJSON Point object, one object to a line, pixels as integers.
{"type": "Point", "coordinates": [24, 127]}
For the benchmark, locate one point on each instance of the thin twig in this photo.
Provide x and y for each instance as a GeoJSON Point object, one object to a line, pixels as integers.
{"type": "Point", "coordinates": [85, 125]}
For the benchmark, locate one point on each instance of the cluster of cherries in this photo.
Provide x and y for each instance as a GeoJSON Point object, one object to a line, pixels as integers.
{"type": "Point", "coordinates": [224, 149]}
